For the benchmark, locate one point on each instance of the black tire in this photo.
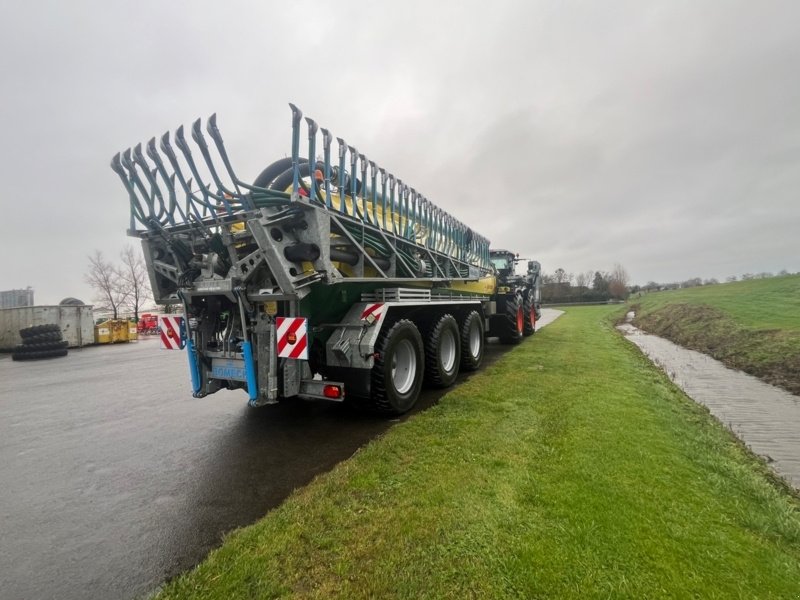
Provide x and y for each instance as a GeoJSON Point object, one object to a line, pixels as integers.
{"type": "Point", "coordinates": [442, 352]}
{"type": "Point", "coordinates": [400, 341]}
{"type": "Point", "coordinates": [529, 314]}
{"type": "Point", "coordinates": [473, 339]}
{"type": "Point", "coordinates": [39, 329]}
{"type": "Point", "coordinates": [39, 355]}
{"type": "Point", "coordinates": [27, 348]}
{"type": "Point", "coordinates": [40, 338]}
{"type": "Point", "coordinates": [513, 321]}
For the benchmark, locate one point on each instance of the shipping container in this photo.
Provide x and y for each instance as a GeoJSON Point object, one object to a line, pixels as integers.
{"type": "Point", "coordinates": [76, 322]}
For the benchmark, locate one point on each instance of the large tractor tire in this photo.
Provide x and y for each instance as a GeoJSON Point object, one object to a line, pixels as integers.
{"type": "Point", "coordinates": [39, 355]}
{"type": "Point", "coordinates": [39, 329]}
{"type": "Point", "coordinates": [529, 314]}
{"type": "Point", "coordinates": [513, 321]}
{"type": "Point", "coordinates": [27, 348]}
{"type": "Point", "coordinates": [472, 341]}
{"type": "Point", "coordinates": [41, 338]}
{"type": "Point", "coordinates": [396, 378]}
{"type": "Point", "coordinates": [442, 352]}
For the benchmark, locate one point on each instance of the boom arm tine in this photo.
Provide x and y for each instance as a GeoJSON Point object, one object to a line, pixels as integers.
{"type": "Point", "coordinates": [138, 159]}
{"type": "Point", "coordinates": [180, 142]}
{"type": "Point", "coordinates": [213, 131]}
{"type": "Point", "coordinates": [354, 180]}
{"type": "Point", "coordinates": [373, 171]}
{"type": "Point", "coordinates": [127, 162]}
{"type": "Point", "coordinates": [341, 175]}
{"type": "Point", "coordinates": [383, 194]}
{"type": "Point", "coordinates": [191, 199]}
{"type": "Point", "coordinates": [395, 184]}
{"type": "Point", "coordinates": [363, 161]}
{"type": "Point", "coordinates": [169, 182]}
{"type": "Point", "coordinates": [414, 216]}
{"type": "Point", "coordinates": [326, 156]}
{"type": "Point", "coordinates": [223, 192]}
{"type": "Point", "coordinates": [297, 114]}
{"type": "Point", "coordinates": [137, 213]}
{"type": "Point", "coordinates": [312, 158]}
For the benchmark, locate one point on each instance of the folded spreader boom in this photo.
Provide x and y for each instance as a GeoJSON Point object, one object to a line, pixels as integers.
{"type": "Point", "coordinates": [321, 277]}
{"type": "Point", "coordinates": [359, 221]}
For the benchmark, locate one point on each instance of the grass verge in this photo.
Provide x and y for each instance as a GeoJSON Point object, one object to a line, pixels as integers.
{"type": "Point", "coordinates": [571, 468]}
{"type": "Point", "coordinates": [752, 325]}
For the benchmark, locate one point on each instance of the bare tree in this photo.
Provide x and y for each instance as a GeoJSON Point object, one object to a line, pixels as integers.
{"type": "Point", "coordinates": [134, 277]}
{"type": "Point", "coordinates": [107, 282]}
{"type": "Point", "coordinates": [618, 282]}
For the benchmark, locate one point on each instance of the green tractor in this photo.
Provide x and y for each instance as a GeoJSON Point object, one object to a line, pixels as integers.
{"type": "Point", "coordinates": [517, 297]}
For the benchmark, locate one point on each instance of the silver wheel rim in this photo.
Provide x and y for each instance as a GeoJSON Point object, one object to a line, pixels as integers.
{"type": "Point", "coordinates": [474, 339]}
{"type": "Point", "coordinates": [447, 351]}
{"type": "Point", "coordinates": [404, 367]}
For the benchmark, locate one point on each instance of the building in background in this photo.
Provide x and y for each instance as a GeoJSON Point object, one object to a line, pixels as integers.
{"type": "Point", "coordinates": [16, 298]}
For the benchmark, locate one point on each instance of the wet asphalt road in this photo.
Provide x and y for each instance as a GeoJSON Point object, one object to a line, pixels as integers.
{"type": "Point", "coordinates": [114, 479]}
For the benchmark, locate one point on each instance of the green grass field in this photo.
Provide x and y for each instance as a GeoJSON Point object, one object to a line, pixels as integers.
{"type": "Point", "coordinates": [571, 468]}
{"type": "Point", "coordinates": [749, 325]}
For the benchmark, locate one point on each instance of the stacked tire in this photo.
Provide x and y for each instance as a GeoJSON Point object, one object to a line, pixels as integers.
{"type": "Point", "coordinates": [40, 341]}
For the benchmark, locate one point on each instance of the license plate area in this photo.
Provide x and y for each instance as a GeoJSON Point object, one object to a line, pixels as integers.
{"type": "Point", "coordinates": [228, 368]}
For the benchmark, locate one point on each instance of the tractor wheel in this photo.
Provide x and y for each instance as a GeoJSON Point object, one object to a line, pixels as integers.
{"type": "Point", "coordinates": [442, 352]}
{"type": "Point", "coordinates": [513, 321]}
{"type": "Point", "coordinates": [27, 348]}
{"type": "Point", "coordinates": [39, 355]}
{"type": "Point", "coordinates": [529, 313]}
{"type": "Point", "coordinates": [38, 329]}
{"type": "Point", "coordinates": [40, 338]}
{"type": "Point", "coordinates": [399, 367]}
{"type": "Point", "coordinates": [472, 341]}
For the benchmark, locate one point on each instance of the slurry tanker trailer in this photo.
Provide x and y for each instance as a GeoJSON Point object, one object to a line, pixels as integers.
{"type": "Point", "coordinates": [325, 277]}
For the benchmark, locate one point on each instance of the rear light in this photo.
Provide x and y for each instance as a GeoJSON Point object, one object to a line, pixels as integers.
{"type": "Point", "coordinates": [332, 391]}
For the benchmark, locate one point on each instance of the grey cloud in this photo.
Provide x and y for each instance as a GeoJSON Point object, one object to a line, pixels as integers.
{"type": "Point", "coordinates": [661, 136]}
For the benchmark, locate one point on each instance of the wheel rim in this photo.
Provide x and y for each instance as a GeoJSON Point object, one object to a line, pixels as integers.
{"type": "Point", "coordinates": [447, 351]}
{"type": "Point", "coordinates": [520, 319]}
{"type": "Point", "coordinates": [474, 340]}
{"type": "Point", "coordinates": [533, 317]}
{"type": "Point", "coordinates": [404, 367]}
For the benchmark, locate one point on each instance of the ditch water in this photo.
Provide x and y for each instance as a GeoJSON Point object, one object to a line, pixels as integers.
{"type": "Point", "coordinates": [764, 417]}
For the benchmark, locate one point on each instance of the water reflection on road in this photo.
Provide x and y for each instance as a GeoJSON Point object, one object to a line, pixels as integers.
{"type": "Point", "coordinates": [765, 417]}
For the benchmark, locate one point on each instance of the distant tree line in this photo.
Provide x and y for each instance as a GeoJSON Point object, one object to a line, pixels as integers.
{"type": "Point", "coordinates": [588, 286]}
{"type": "Point", "coordinates": [603, 286]}
{"type": "Point", "coordinates": [653, 286]}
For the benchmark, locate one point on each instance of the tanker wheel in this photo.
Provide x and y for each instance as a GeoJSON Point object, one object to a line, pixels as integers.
{"type": "Point", "coordinates": [529, 313]}
{"type": "Point", "coordinates": [442, 352]}
{"type": "Point", "coordinates": [513, 321]}
{"type": "Point", "coordinates": [472, 341]}
{"type": "Point", "coordinates": [396, 378]}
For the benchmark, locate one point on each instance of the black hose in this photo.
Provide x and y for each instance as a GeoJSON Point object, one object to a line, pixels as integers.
{"type": "Point", "coordinates": [271, 172]}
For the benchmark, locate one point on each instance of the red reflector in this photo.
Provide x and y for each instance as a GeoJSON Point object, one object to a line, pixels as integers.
{"type": "Point", "coordinates": [332, 391]}
{"type": "Point", "coordinates": [292, 338]}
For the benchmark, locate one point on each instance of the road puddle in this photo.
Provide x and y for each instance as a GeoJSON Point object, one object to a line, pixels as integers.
{"type": "Point", "coordinates": [765, 417]}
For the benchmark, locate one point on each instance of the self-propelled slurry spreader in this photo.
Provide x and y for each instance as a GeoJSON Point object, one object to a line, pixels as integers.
{"type": "Point", "coordinates": [325, 277]}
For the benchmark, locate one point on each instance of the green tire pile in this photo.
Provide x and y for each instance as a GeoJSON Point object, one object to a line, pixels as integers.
{"type": "Point", "coordinates": [40, 341]}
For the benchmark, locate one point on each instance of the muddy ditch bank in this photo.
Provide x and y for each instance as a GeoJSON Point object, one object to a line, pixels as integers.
{"type": "Point", "coordinates": [769, 354]}
{"type": "Point", "coordinates": [766, 418]}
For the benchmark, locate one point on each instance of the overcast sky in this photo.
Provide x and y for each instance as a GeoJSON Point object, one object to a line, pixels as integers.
{"type": "Point", "coordinates": [664, 136]}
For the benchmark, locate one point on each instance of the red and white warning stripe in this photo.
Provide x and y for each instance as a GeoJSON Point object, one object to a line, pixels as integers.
{"type": "Point", "coordinates": [375, 309]}
{"type": "Point", "coordinates": [292, 337]}
{"type": "Point", "coordinates": [170, 327]}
